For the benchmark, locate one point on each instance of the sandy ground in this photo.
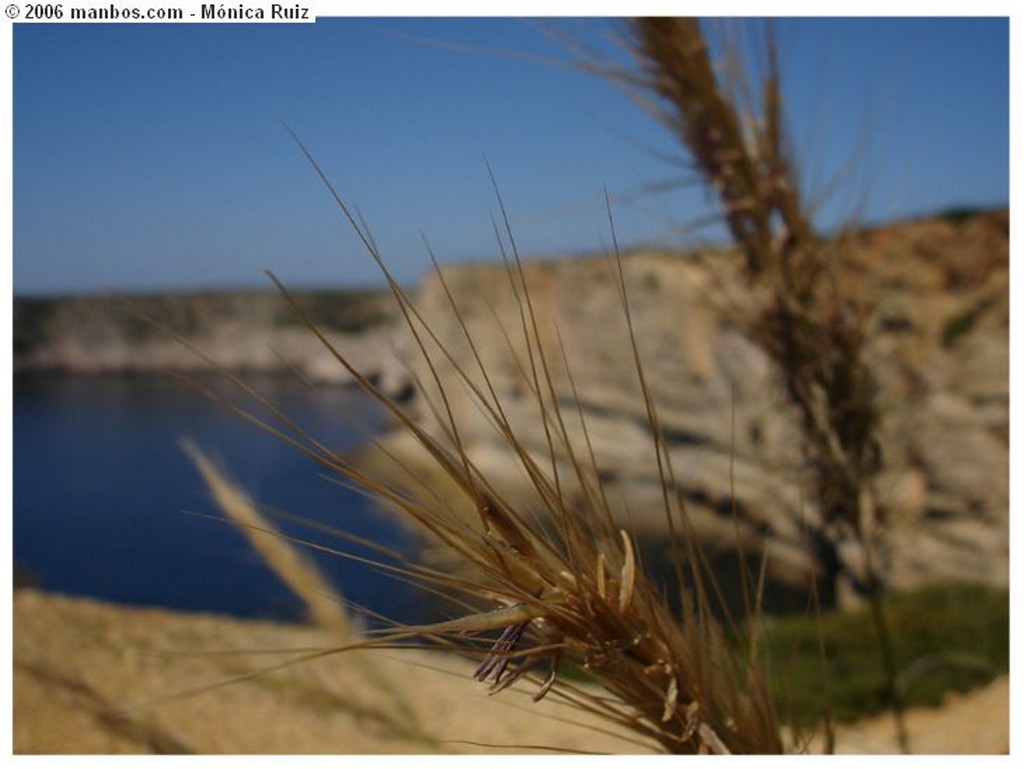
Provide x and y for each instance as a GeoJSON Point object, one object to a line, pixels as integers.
{"type": "Point", "coordinates": [95, 678]}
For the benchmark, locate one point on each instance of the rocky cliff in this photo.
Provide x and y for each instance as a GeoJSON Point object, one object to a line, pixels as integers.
{"type": "Point", "coordinates": [937, 291]}
{"type": "Point", "coordinates": [938, 328]}
{"type": "Point", "coordinates": [240, 331]}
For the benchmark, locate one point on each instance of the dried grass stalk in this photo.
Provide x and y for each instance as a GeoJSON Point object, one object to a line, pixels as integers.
{"type": "Point", "coordinates": [324, 604]}
{"type": "Point", "coordinates": [560, 584]}
{"type": "Point", "coordinates": [734, 133]}
{"type": "Point", "coordinates": [813, 333]}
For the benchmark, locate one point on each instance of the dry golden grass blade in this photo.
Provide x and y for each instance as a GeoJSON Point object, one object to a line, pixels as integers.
{"type": "Point", "coordinates": [323, 602]}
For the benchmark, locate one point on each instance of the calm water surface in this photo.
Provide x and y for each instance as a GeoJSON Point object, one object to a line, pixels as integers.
{"type": "Point", "coordinates": [103, 495]}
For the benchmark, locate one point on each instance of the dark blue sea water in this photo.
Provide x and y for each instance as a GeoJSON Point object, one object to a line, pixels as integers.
{"type": "Point", "coordinates": [103, 494]}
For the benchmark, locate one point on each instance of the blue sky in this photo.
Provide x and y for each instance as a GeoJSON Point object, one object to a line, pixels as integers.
{"type": "Point", "coordinates": [154, 157]}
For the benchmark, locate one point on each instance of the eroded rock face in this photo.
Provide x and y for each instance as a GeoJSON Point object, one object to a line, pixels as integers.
{"type": "Point", "coordinates": [938, 345]}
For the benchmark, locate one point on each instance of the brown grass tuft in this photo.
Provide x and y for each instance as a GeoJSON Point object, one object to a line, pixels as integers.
{"type": "Point", "coordinates": [559, 584]}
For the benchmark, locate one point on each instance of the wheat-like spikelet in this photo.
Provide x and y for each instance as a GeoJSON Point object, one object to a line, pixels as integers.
{"type": "Point", "coordinates": [561, 584]}
{"type": "Point", "coordinates": [734, 134]}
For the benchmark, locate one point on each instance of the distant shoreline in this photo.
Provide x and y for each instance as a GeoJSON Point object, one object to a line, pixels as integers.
{"type": "Point", "coordinates": [255, 332]}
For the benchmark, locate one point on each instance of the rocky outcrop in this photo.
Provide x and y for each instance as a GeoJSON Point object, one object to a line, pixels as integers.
{"type": "Point", "coordinates": [938, 344]}
{"type": "Point", "coordinates": [254, 332]}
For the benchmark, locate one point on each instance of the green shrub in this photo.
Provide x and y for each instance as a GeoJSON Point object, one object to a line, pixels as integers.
{"type": "Point", "coordinates": [946, 638]}
{"type": "Point", "coordinates": [960, 215]}
{"type": "Point", "coordinates": [963, 323]}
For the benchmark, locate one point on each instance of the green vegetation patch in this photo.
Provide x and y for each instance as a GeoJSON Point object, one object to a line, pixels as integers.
{"type": "Point", "coordinates": [39, 321]}
{"type": "Point", "coordinates": [959, 215]}
{"type": "Point", "coordinates": [30, 320]}
{"type": "Point", "coordinates": [964, 323]}
{"type": "Point", "coordinates": [350, 311]}
{"type": "Point", "coordinates": [945, 638]}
